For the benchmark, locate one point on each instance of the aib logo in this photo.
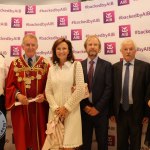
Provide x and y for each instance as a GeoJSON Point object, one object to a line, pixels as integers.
{"type": "Point", "coordinates": [16, 22]}
{"type": "Point", "coordinates": [29, 32]}
{"type": "Point", "coordinates": [15, 50]}
{"type": "Point", "coordinates": [76, 34]}
{"type": "Point", "coordinates": [75, 6]}
{"type": "Point", "coordinates": [111, 140]}
{"type": "Point", "coordinates": [30, 9]}
{"type": "Point", "coordinates": [124, 31]}
{"type": "Point", "coordinates": [123, 2]}
{"type": "Point", "coordinates": [109, 16]}
{"type": "Point", "coordinates": [62, 21]}
{"type": "Point", "coordinates": [110, 48]}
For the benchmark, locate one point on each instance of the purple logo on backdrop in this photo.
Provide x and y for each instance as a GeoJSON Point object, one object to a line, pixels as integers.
{"type": "Point", "coordinates": [62, 21]}
{"type": "Point", "coordinates": [75, 6]}
{"type": "Point", "coordinates": [124, 31]}
{"type": "Point", "coordinates": [109, 16]}
{"type": "Point", "coordinates": [110, 48]}
{"type": "Point", "coordinates": [30, 9]}
{"type": "Point", "coordinates": [29, 32]}
{"type": "Point", "coordinates": [16, 22]}
{"type": "Point", "coordinates": [76, 34]}
{"type": "Point", "coordinates": [15, 50]}
{"type": "Point", "coordinates": [123, 2]}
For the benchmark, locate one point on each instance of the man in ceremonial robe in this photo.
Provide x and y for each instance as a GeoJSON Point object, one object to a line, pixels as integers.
{"type": "Point", "coordinates": [26, 81]}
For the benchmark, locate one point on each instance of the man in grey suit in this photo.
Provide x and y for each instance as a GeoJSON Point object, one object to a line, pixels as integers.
{"type": "Point", "coordinates": [131, 79]}
{"type": "Point", "coordinates": [94, 110]}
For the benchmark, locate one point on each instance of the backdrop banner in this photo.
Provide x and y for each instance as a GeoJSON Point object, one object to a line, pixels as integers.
{"type": "Point", "coordinates": [111, 20]}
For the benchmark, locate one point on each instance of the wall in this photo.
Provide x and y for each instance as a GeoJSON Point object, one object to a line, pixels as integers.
{"type": "Point", "coordinates": [110, 20]}
{"type": "Point", "coordinates": [35, 2]}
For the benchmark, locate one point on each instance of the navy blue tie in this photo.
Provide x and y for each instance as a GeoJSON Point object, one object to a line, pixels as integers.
{"type": "Point", "coordinates": [30, 62]}
{"type": "Point", "coordinates": [125, 94]}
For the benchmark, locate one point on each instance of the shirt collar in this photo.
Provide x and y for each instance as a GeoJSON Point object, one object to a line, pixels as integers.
{"type": "Point", "coordinates": [131, 62]}
{"type": "Point", "coordinates": [95, 60]}
{"type": "Point", "coordinates": [33, 58]}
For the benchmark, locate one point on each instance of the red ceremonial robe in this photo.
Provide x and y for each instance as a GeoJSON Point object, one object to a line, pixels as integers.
{"type": "Point", "coordinates": [29, 122]}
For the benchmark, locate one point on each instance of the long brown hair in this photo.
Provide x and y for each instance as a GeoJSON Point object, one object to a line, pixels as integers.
{"type": "Point", "coordinates": [70, 56]}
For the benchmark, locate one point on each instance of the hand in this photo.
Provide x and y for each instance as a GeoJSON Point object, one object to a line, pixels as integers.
{"type": "Point", "coordinates": [113, 119]}
{"type": "Point", "coordinates": [40, 98]}
{"type": "Point", "coordinates": [87, 109]}
{"type": "Point", "coordinates": [23, 99]}
{"type": "Point", "coordinates": [62, 112]}
{"type": "Point", "coordinates": [92, 111]}
{"type": "Point", "coordinates": [145, 120]}
{"type": "Point", "coordinates": [148, 103]}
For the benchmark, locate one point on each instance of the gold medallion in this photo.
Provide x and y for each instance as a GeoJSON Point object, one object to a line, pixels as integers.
{"type": "Point", "coordinates": [28, 81]}
{"type": "Point", "coordinates": [32, 77]}
{"type": "Point", "coordinates": [19, 79]}
{"type": "Point", "coordinates": [28, 86]}
{"type": "Point", "coordinates": [38, 76]}
{"type": "Point", "coordinates": [16, 69]}
{"type": "Point", "coordinates": [24, 79]}
{"type": "Point", "coordinates": [17, 74]}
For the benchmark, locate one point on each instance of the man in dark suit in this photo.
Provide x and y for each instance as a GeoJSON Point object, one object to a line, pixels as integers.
{"type": "Point", "coordinates": [131, 79]}
{"type": "Point", "coordinates": [94, 110]}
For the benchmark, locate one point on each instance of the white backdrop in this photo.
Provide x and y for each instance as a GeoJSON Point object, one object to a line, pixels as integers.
{"type": "Point", "coordinates": [110, 20]}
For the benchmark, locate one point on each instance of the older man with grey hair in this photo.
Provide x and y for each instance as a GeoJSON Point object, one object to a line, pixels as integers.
{"type": "Point", "coordinates": [131, 93]}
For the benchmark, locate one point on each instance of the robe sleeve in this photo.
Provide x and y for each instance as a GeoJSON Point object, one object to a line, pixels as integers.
{"type": "Point", "coordinates": [78, 94]}
{"type": "Point", "coordinates": [10, 88]}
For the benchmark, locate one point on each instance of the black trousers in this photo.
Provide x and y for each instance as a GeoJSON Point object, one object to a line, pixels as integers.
{"type": "Point", "coordinates": [100, 124]}
{"type": "Point", "coordinates": [147, 137]}
{"type": "Point", "coordinates": [128, 131]}
{"type": "Point", "coordinates": [3, 110]}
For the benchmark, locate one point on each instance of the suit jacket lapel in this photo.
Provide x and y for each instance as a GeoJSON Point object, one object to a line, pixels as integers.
{"type": "Point", "coordinates": [135, 74]}
{"type": "Point", "coordinates": [98, 65]}
{"type": "Point", "coordinates": [119, 76]}
{"type": "Point", "coordinates": [84, 64]}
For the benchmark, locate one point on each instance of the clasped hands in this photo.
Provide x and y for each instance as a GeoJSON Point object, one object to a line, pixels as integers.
{"type": "Point", "coordinates": [62, 113]}
{"type": "Point", "coordinates": [92, 111]}
{"type": "Point", "coordinates": [25, 101]}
